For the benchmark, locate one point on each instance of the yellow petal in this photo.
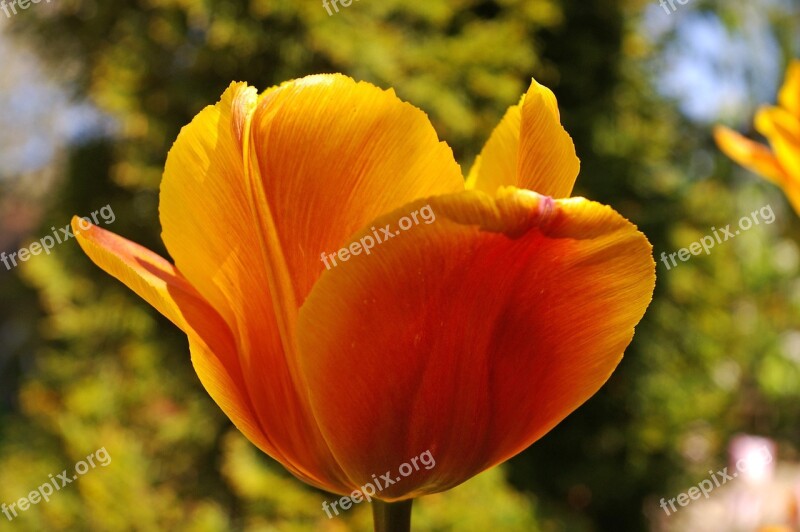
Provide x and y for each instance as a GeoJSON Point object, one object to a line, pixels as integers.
{"type": "Point", "coordinates": [782, 129]}
{"type": "Point", "coordinates": [496, 166]}
{"type": "Point", "coordinates": [329, 156]}
{"type": "Point", "coordinates": [204, 210]}
{"type": "Point", "coordinates": [789, 95]}
{"type": "Point", "coordinates": [752, 155]}
{"type": "Point", "coordinates": [529, 149]}
{"type": "Point", "coordinates": [470, 336]}
{"type": "Point", "coordinates": [759, 159]}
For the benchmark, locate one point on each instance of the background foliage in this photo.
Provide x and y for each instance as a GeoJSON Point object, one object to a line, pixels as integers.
{"type": "Point", "coordinates": [86, 364]}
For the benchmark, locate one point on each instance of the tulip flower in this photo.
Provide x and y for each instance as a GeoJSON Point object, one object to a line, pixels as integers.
{"type": "Point", "coordinates": [466, 337]}
{"type": "Point", "coordinates": [781, 126]}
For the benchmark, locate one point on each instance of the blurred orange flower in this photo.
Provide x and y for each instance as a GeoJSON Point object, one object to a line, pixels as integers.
{"type": "Point", "coordinates": [781, 126]}
{"type": "Point", "coordinates": [470, 337]}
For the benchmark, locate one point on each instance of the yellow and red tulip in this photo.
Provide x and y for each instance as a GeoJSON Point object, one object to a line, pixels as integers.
{"type": "Point", "coordinates": [781, 127]}
{"type": "Point", "coordinates": [470, 337]}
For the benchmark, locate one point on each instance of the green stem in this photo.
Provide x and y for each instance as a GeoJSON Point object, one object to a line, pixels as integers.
{"type": "Point", "coordinates": [392, 516]}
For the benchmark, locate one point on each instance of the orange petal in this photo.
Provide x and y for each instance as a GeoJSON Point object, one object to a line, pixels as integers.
{"type": "Point", "coordinates": [529, 149]}
{"type": "Point", "coordinates": [150, 276]}
{"type": "Point", "coordinates": [789, 95]}
{"type": "Point", "coordinates": [471, 336]}
{"type": "Point", "coordinates": [210, 231]}
{"type": "Point", "coordinates": [158, 282]}
{"type": "Point", "coordinates": [228, 393]}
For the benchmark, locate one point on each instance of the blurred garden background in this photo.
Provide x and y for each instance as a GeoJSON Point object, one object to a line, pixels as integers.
{"type": "Point", "coordinates": [92, 95]}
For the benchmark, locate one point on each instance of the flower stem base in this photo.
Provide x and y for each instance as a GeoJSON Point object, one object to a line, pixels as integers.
{"type": "Point", "coordinates": [392, 516]}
